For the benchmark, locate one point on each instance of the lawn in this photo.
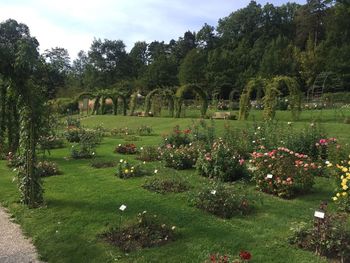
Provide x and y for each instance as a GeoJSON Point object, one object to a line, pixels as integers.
{"type": "Point", "coordinates": [83, 202]}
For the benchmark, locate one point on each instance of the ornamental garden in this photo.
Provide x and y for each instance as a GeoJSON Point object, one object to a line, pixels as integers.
{"type": "Point", "coordinates": [133, 170]}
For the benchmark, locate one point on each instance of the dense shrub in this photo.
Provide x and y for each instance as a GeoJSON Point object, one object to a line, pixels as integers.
{"type": "Point", "coordinates": [328, 236]}
{"type": "Point", "coordinates": [182, 157]}
{"type": "Point", "coordinates": [126, 170]}
{"type": "Point", "coordinates": [46, 168]}
{"type": "Point", "coordinates": [144, 130]}
{"type": "Point", "coordinates": [222, 201]}
{"type": "Point", "coordinates": [72, 134]}
{"type": "Point", "coordinates": [128, 148]}
{"type": "Point", "coordinates": [50, 142]}
{"type": "Point", "coordinates": [283, 172]}
{"type": "Point", "coordinates": [86, 147]}
{"type": "Point", "coordinates": [178, 137]}
{"type": "Point", "coordinates": [221, 162]}
{"type": "Point", "coordinates": [149, 153]}
{"type": "Point", "coordinates": [166, 185]}
{"type": "Point", "coordinates": [65, 105]}
{"type": "Point", "coordinates": [147, 231]}
{"type": "Point", "coordinates": [120, 132]}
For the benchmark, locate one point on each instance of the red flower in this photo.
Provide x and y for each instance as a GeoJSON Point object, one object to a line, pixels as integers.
{"type": "Point", "coordinates": [187, 131]}
{"type": "Point", "coordinates": [245, 255]}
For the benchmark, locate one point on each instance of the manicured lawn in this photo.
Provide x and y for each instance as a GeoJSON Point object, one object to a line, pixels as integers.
{"type": "Point", "coordinates": [83, 203]}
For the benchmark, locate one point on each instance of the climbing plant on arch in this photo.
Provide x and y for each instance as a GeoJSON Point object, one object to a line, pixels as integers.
{"type": "Point", "coordinates": [194, 88]}
{"type": "Point", "coordinates": [273, 91]}
{"type": "Point", "coordinates": [167, 93]}
{"type": "Point", "coordinates": [258, 85]}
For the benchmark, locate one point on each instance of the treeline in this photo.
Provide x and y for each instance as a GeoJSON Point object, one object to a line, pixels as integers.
{"type": "Point", "coordinates": [294, 40]}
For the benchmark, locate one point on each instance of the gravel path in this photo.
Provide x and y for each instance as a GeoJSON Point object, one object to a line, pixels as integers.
{"type": "Point", "coordinates": [14, 247]}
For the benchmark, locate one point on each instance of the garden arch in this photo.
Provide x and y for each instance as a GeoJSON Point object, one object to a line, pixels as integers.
{"type": "Point", "coordinates": [115, 96]}
{"type": "Point", "coordinates": [89, 96]}
{"type": "Point", "coordinates": [273, 91]}
{"type": "Point", "coordinates": [194, 88]}
{"type": "Point", "coordinates": [258, 85]}
{"type": "Point", "coordinates": [168, 94]}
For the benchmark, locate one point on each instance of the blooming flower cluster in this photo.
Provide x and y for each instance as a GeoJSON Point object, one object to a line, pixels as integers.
{"type": "Point", "coordinates": [221, 162]}
{"type": "Point", "coordinates": [244, 256]}
{"type": "Point", "coordinates": [343, 185]}
{"type": "Point", "coordinates": [182, 157]}
{"type": "Point", "coordinates": [127, 170]}
{"type": "Point", "coordinates": [128, 148]}
{"type": "Point", "coordinates": [283, 172]}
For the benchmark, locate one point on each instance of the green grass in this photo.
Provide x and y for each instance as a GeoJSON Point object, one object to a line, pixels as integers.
{"type": "Point", "coordinates": [83, 203]}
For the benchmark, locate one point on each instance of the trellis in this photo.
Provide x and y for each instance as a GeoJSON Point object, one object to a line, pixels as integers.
{"type": "Point", "coordinates": [194, 88]}
{"type": "Point", "coordinates": [167, 93]}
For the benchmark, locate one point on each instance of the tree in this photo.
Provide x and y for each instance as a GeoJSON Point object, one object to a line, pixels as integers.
{"type": "Point", "coordinates": [192, 69]}
{"type": "Point", "coordinates": [57, 69]}
{"type": "Point", "coordinates": [139, 58]}
{"type": "Point", "coordinates": [19, 63]}
{"type": "Point", "coordinates": [206, 37]}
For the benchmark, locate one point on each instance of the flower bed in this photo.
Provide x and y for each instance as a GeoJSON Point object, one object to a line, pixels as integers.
{"type": "Point", "coordinates": [126, 170]}
{"type": "Point", "coordinates": [283, 172]}
{"type": "Point", "coordinates": [166, 185]}
{"type": "Point", "coordinates": [342, 196]}
{"type": "Point", "coordinates": [180, 158]}
{"type": "Point", "coordinates": [222, 201]}
{"type": "Point", "coordinates": [46, 168]}
{"type": "Point", "coordinates": [221, 162]}
{"type": "Point", "coordinates": [147, 231]}
{"type": "Point", "coordinates": [128, 148]}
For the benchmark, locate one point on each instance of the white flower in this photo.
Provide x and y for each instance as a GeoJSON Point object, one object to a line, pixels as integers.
{"type": "Point", "coordinates": [119, 145]}
{"type": "Point", "coordinates": [173, 227]}
{"type": "Point", "coordinates": [327, 162]}
{"type": "Point", "coordinates": [93, 153]}
{"type": "Point", "coordinates": [213, 192]}
{"type": "Point", "coordinates": [121, 160]}
{"type": "Point", "coordinates": [141, 148]}
{"type": "Point", "coordinates": [122, 207]}
{"type": "Point", "coordinates": [253, 141]}
{"type": "Point", "coordinates": [259, 128]}
{"type": "Point", "coordinates": [269, 176]}
{"type": "Point", "coordinates": [144, 162]}
{"type": "Point", "coordinates": [289, 123]}
{"type": "Point", "coordinates": [15, 169]}
{"type": "Point", "coordinates": [155, 171]}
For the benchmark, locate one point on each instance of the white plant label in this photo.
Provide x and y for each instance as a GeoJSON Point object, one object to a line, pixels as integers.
{"type": "Point", "coordinates": [319, 214]}
{"type": "Point", "coordinates": [269, 176]}
{"type": "Point", "coordinates": [122, 207]}
{"type": "Point", "coordinates": [213, 192]}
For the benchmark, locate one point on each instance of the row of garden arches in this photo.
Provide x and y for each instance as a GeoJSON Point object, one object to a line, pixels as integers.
{"type": "Point", "coordinates": [268, 91]}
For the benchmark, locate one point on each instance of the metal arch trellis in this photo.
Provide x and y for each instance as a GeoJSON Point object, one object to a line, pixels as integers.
{"type": "Point", "coordinates": [325, 81]}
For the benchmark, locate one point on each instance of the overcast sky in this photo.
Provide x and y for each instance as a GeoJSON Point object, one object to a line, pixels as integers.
{"type": "Point", "coordinates": [73, 24]}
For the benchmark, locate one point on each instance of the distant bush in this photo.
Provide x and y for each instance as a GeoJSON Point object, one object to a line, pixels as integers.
{"type": "Point", "coordinates": [46, 168]}
{"type": "Point", "coordinates": [65, 105]}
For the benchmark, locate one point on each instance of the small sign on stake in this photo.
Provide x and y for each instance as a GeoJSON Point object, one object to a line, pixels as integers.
{"type": "Point", "coordinates": [122, 207]}
{"type": "Point", "coordinates": [269, 176]}
{"type": "Point", "coordinates": [319, 214]}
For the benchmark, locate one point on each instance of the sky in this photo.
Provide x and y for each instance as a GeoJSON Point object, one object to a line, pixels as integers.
{"type": "Point", "coordinates": [73, 24]}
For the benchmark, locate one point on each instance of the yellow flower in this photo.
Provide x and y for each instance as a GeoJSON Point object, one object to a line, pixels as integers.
{"type": "Point", "coordinates": [338, 194]}
{"type": "Point", "coordinates": [335, 198]}
{"type": "Point", "coordinates": [345, 187]}
{"type": "Point", "coordinates": [345, 169]}
{"type": "Point", "coordinates": [344, 193]}
{"type": "Point", "coordinates": [126, 171]}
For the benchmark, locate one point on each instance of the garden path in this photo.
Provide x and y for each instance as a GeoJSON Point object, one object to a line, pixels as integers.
{"type": "Point", "coordinates": [14, 247]}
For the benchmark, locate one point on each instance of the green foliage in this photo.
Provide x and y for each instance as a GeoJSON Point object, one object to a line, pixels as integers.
{"type": "Point", "coordinates": [180, 158]}
{"type": "Point", "coordinates": [328, 237]}
{"type": "Point", "coordinates": [128, 148]}
{"type": "Point", "coordinates": [147, 231]}
{"type": "Point", "coordinates": [127, 170]}
{"type": "Point", "coordinates": [47, 168]}
{"type": "Point", "coordinates": [86, 146]}
{"type": "Point", "coordinates": [178, 137]}
{"type": "Point", "coordinates": [257, 84]}
{"type": "Point", "coordinates": [194, 88]}
{"type": "Point", "coordinates": [221, 162]}
{"type": "Point", "coordinates": [221, 200]}
{"type": "Point", "coordinates": [192, 68]}
{"type": "Point", "coordinates": [283, 172]}
{"type": "Point", "coordinates": [166, 185]}
{"type": "Point", "coordinates": [273, 91]}
{"type": "Point", "coordinates": [149, 153]}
